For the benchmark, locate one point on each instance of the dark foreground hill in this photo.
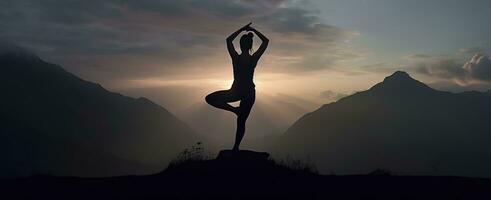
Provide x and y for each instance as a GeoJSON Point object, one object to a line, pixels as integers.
{"type": "Point", "coordinates": [248, 175]}
{"type": "Point", "coordinates": [53, 122]}
{"type": "Point", "coordinates": [401, 125]}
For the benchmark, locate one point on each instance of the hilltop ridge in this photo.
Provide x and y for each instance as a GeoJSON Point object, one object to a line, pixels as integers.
{"type": "Point", "coordinates": [246, 175]}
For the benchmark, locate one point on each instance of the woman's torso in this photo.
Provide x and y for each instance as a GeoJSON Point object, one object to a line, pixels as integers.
{"type": "Point", "coordinates": [244, 66]}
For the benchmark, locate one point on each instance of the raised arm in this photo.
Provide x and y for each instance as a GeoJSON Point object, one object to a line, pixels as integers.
{"type": "Point", "coordinates": [231, 38]}
{"type": "Point", "coordinates": [263, 46]}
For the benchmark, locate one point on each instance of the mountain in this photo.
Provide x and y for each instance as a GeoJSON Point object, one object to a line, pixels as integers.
{"type": "Point", "coordinates": [56, 123]}
{"type": "Point", "coordinates": [400, 125]}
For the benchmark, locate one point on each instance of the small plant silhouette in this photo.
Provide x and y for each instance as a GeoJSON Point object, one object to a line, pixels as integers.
{"type": "Point", "coordinates": [296, 164]}
{"type": "Point", "coordinates": [193, 153]}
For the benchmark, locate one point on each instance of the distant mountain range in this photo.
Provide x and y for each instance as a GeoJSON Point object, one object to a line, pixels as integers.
{"type": "Point", "coordinates": [270, 116]}
{"type": "Point", "coordinates": [53, 122]}
{"type": "Point", "coordinates": [400, 125]}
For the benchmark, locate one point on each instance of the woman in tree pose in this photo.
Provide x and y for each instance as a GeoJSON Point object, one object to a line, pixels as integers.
{"type": "Point", "coordinates": [243, 86]}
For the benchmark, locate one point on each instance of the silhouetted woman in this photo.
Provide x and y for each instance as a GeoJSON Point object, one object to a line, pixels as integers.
{"type": "Point", "coordinates": [243, 87]}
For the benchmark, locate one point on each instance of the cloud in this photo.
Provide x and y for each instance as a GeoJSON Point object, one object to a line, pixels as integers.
{"type": "Point", "coordinates": [331, 95]}
{"type": "Point", "coordinates": [9, 47]}
{"type": "Point", "coordinates": [453, 87]}
{"type": "Point", "coordinates": [418, 56]}
{"type": "Point", "coordinates": [479, 68]}
{"type": "Point", "coordinates": [476, 70]}
{"type": "Point", "coordinates": [471, 50]}
{"type": "Point", "coordinates": [145, 38]}
{"type": "Point", "coordinates": [381, 67]}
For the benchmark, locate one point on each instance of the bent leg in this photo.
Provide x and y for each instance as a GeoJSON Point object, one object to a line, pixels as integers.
{"type": "Point", "coordinates": [244, 111]}
{"type": "Point", "coordinates": [220, 99]}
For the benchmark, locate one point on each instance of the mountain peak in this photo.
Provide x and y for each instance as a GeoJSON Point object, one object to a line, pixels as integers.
{"type": "Point", "coordinates": [399, 75]}
{"type": "Point", "coordinates": [400, 82]}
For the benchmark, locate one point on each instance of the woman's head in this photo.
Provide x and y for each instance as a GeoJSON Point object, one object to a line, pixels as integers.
{"type": "Point", "coordinates": [246, 42]}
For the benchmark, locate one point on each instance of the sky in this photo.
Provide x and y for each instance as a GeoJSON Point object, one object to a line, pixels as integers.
{"type": "Point", "coordinates": [174, 51]}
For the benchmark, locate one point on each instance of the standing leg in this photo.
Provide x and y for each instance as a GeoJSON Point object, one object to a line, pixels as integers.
{"type": "Point", "coordinates": [220, 99]}
{"type": "Point", "coordinates": [244, 109]}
